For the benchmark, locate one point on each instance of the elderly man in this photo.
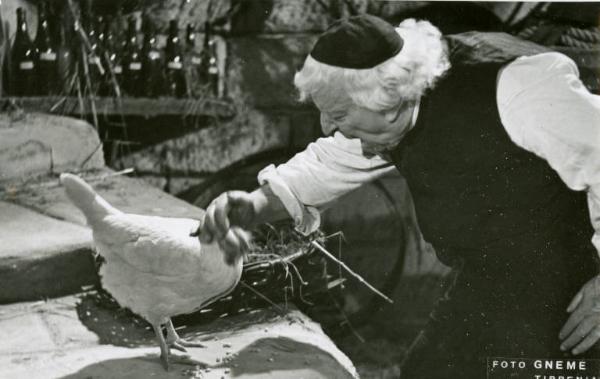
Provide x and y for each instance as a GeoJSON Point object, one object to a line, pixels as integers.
{"type": "Point", "coordinates": [499, 142]}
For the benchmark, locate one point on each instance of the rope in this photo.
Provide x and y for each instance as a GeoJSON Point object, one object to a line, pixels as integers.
{"type": "Point", "coordinates": [588, 38]}
{"type": "Point", "coordinates": [590, 35]}
{"type": "Point", "coordinates": [567, 40]}
{"type": "Point", "coordinates": [528, 32]}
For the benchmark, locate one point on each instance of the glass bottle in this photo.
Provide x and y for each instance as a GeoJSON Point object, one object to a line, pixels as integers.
{"type": "Point", "coordinates": [213, 69]}
{"type": "Point", "coordinates": [132, 62]}
{"type": "Point", "coordinates": [174, 73]}
{"type": "Point", "coordinates": [91, 70]}
{"type": "Point", "coordinates": [209, 71]}
{"type": "Point", "coordinates": [65, 61]}
{"type": "Point", "coordinates": [23, 59]}
{"type": "Point", "coordinates": [152, 63]}
{"type": "Point", "coordinates": [47, 67]}
{"type": "Point", "coordinates": [112, 60]}
{"type": "Point", "coordinates": [204, 57]}
{"type": "Point", "coordinates": [193, 61]}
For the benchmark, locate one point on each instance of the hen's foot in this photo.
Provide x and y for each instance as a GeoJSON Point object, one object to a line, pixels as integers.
{"type": "Point", "coordinates": [174, 341]}
{"type": "Point", "coordinates": [164, 349]}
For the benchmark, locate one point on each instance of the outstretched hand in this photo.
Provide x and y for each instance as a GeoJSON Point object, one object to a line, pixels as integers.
{"type": "Point", "coordinates": [582, 329]}
{"type": "Point", "coordinates": [225, 222]}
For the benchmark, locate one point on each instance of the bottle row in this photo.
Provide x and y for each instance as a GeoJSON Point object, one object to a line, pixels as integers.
{"type": "Point", "coordinates": [92, 55]}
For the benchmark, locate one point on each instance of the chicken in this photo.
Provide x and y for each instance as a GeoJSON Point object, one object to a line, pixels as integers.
{"type": "Point", "coordinates": [153, 266]}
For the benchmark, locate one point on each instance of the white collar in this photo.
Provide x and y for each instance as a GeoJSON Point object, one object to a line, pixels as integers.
{"type": "Point", "coordinates": [415, 114]}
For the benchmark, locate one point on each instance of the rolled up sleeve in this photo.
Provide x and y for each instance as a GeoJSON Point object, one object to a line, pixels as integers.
{"type": "Point", "coordinates": [317, 176]}
{"type": "Point", "coordinates": [547, 110]}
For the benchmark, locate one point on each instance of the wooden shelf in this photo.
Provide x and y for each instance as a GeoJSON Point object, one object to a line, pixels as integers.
{"type": "Point", "coordinates": [165, 106]}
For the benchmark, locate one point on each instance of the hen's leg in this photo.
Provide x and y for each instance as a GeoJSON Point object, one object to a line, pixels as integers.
{"type": "Point", "coordinates": [164, 349]}
{"type": "Point", "coordinates": [177, 343]}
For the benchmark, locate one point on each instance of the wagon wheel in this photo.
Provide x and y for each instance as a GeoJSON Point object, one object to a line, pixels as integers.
{"type": "Point", "coordinates": [242, 176]}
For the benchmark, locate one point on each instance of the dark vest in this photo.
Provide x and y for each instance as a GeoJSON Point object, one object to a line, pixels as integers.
{"type": "Point", "coordinates": [484, 203]}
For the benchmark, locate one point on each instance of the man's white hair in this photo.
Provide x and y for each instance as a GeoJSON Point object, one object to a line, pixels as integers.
{"type": "Point", "coordinates": [404, 77]}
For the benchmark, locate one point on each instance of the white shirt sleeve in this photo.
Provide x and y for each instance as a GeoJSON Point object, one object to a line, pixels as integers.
{"type": "Point", "coordinates": [317, 176]}
{"type": "Point", "coordinates": [546, 109]}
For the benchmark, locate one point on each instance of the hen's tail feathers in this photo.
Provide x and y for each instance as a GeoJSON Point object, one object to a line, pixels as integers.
{"type": "Point", "coordinates": [86, 199]}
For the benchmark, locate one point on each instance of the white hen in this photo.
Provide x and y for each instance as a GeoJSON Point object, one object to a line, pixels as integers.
{"type": "Point", "coordinates": [153, 266]}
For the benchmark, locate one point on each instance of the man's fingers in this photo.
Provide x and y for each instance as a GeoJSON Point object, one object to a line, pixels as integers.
{"type": "Point", "coordinates": [590, 339]}
{"type": "Point", "coordinates": [208, 231]}
{"type": "Point", "coordinates": [234, 244]}
{"type": "Point", "coordinates": [241, 208]}
{"type": "Point", "coordinates": [580, 332]}
{"type": "Point", "coordinates": [575, 302]}
{"type": "Point", "coordinates": [221, 213]}
{"type": "Point", "coordinates": [196, 232]}
{"type": "Point", "coordinates": [571, 323]}
{"type": "Point", "coordinates": [231, 247]}
{"type": "Point", "coordinates": [244, 238]}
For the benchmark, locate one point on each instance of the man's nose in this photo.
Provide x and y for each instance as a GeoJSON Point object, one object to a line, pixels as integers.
{"type": "Point", "coordinates": [327, 126]}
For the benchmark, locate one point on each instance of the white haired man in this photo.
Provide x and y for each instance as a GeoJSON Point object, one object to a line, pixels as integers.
{"type": "Point", "coordinates": [499, 143]}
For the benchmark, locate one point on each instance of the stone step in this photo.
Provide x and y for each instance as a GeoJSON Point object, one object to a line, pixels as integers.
{"type": "Point", "coordinates": [41, 256]}
{"type": "Point", "coordinates": [47, 249]}
{"type": "Point", "coordinates": [75, 337]}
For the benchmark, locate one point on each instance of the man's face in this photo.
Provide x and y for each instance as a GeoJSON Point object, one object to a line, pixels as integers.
{"type": "Point", "coordinates": [377, 131]}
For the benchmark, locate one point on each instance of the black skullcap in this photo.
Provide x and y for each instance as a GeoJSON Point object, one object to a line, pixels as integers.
{"type": "Point", "coordinates": [357, 42]}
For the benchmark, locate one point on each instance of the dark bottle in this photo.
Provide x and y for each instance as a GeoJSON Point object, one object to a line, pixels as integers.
{"type": "Point", "coordinates": [213, 69]}
{"type": "Point", "coordinates": [47, 67]}
{"type": "Point", "coordinates": [209, 70]}
{"type": "Point", "coordinates": [174, 73]}
{"type": "Point", "coordinates": [23, 60]}
{"type": "Point", "coordinates": [132, 62]}
{"type": "Point", "coordinates": [91, 70]}
{"type": "Point", "coordinates": [111, 84]}
{"type": "Point", "coordinates": [193, 63]}
{"type": "Point", "coordinates": [64, 61]}
{"type": "Point", "coordinates": [152, 63]}
{"type": "Point", "coordinates": [204, 57]}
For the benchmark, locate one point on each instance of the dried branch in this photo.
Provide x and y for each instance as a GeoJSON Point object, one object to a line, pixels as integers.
{"type": "Point", "coordinates": [355, 275]}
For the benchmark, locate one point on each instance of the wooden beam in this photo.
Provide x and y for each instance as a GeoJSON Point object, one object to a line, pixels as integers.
{"type": "Point", "coordinates": [125, 106]}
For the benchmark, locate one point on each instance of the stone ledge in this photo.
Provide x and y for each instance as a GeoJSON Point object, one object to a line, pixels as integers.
{"type": "Point", "coordinates": [128, 194]}
{"type": "Point", "coordinates": [41, 256]}
{"type": "Point", "coordinates": [66, 338]}
{"type": "Point", "coordinates": [34, 144]}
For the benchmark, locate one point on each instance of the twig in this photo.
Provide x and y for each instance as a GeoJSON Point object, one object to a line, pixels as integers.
{"type": "Point", "coordinates": [358, 277]}
{"type": "Point", "coordinates": [262, 296]}
{"type": "Point", "coordinates": [346, 320]}
{"type": "Point", "coordinates": [57, 104]}
{"type": "Point", "coordinates": [86, 160]}
{"type": "Point", "coordinates": [341, 238]}
{"type": "Point", "coordinates": [117, 173]}
{"type": "Point", "coordinates": [91, 179]}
